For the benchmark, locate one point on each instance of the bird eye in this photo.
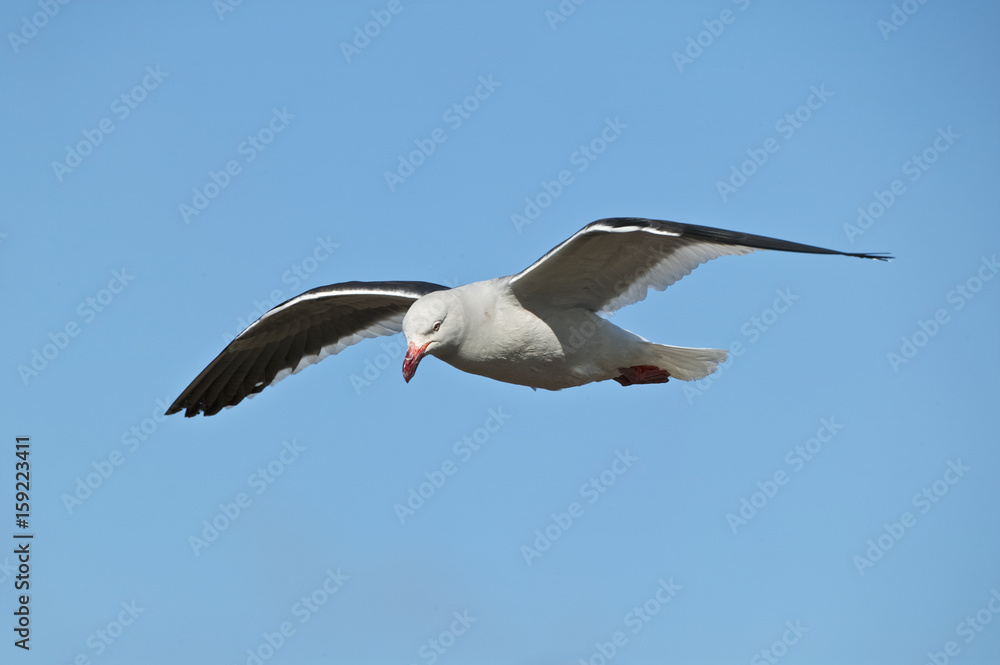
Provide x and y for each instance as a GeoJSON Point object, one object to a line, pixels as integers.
{"type": "Point", "coordinates": [437, 326]}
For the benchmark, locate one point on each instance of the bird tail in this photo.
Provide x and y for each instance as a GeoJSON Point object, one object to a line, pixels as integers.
{"type": "Point", "coordinates": [685, 363]}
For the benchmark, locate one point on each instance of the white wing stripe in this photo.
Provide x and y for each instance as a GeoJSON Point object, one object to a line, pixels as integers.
{"type": "Point", "coordinates": [328, 294]}
{"type": "Point", "coordinates": [632, 229]}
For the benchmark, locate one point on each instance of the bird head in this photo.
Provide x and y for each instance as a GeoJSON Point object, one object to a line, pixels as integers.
{"type": "Point", "coordinates": [431, 326]}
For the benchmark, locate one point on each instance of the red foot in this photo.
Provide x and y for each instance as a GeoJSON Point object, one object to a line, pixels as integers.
{"type": "Point", "coordinates": [642, 374]}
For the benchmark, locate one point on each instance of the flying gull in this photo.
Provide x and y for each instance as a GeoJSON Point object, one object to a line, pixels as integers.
{"type": "Point", "coordinates": [540, 328]}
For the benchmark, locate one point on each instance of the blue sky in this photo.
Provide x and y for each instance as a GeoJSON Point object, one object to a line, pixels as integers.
{"type": "Point", "coordinates": [829, 496]}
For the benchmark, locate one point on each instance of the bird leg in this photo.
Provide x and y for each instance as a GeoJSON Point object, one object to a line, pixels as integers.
{"type": "Point", "coordinates": [642, 374]}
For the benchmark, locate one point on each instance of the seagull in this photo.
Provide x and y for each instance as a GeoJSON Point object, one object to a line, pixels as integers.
{"type": "Point", "coordinates": [542, 327]}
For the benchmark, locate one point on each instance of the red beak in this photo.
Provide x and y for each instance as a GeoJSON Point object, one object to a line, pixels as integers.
{"type": "Point", "coordinates": [413, 356]}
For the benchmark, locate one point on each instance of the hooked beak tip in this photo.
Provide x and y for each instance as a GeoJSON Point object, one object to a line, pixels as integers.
{"type": "Point", "coordinates": [413, 356]}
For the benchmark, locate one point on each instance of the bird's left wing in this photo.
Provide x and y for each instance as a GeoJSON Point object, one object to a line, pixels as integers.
{"type": "Point", "coordinates": [295, 334]}
{"type": "Point", "coordinates": [611, 263]}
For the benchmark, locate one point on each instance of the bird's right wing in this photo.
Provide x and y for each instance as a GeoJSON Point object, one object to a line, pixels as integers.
{"type": "Point", "coordinates": [611, 263]}
{"type": "Point", "coordinates": [297, 333]}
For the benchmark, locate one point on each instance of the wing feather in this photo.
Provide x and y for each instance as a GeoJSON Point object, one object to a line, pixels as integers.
{"type": "Point", "coordinates": [614, 262]}
{"type": "Point", "coordinates": [295, 334]}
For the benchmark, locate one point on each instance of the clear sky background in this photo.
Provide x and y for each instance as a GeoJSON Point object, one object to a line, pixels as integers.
{"type": "Point", "coordinates": [247, 162]}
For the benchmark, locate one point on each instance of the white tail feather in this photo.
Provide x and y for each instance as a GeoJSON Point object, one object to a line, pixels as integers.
{"type": "Point", "coordinates": [685, 363]}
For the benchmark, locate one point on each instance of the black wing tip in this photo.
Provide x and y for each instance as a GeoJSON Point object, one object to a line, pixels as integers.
{"type": "Point", "coordinates": [198, 409]}
{"type": "Point", "coordinates": [196, 406]}
{"type": "Point", "coordinates": [190, 410]}
{"type": "Point", "coordinates": [734, 237]}
{"type": "Point", "coordinates": [878, 256]}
